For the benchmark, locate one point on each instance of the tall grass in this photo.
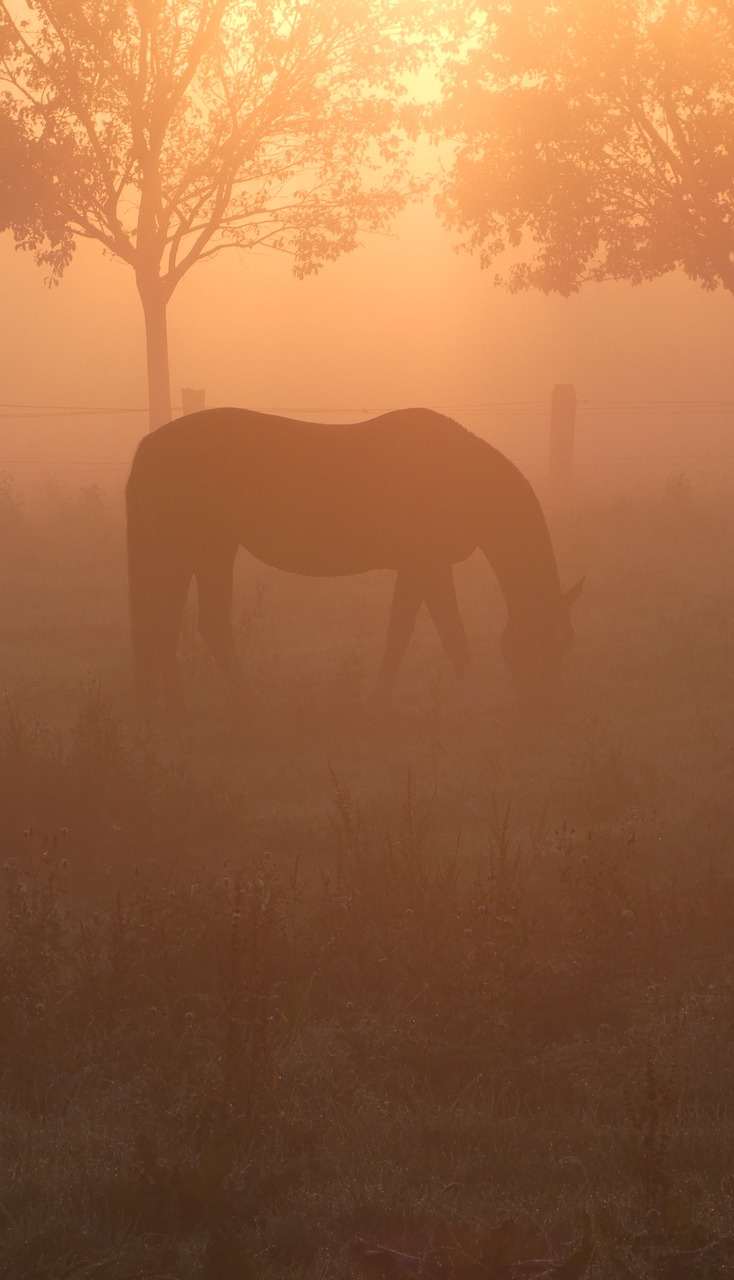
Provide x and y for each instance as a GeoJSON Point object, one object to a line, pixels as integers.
{"type": "Point", "coordinates": [297, 998]}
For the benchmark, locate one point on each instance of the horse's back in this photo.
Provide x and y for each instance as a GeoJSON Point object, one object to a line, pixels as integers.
{"type": "Point", "coordinates": [321, 498]}
{"type": "Point", "coordinates": [224, 435]}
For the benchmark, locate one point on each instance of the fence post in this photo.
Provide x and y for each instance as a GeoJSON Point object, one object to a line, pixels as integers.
{"type": "Point", "coordinates": [560, 453]}
{"type": "Point", "coordinates": [192, 400]}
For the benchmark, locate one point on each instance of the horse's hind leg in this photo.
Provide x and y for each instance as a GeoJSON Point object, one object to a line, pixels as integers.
{"type": "Point", "coordinates": [406, 601]}
{"type": "Point", "coordinates": [158, 595]}
{"type": "Point", "coordinates": [444, 609]}
{"type": "Point", "coordinates": [214, 571]}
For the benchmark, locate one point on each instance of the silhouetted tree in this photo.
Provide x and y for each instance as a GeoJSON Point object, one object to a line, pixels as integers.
{"type": "Point", "coordinates": [170, 131]}
{"type": "Point", "coordinates": [595, 139]}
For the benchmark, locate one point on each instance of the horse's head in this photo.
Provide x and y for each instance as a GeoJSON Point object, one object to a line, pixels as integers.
{"type": "Point", "coordinates": [534, 652]}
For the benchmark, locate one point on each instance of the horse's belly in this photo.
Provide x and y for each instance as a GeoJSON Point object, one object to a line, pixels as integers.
{"type": "Point", "coordinates": [314, 566]}
{"type": "Point", "coordinates": [330, 539]}
{"type": "Point", "coordinates": [318, 557]}
{"type": "Point", "coordinates": [334, 561]}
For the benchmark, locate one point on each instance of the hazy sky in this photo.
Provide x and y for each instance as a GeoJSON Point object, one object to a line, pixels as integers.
{"type": "Point", "coordinates": [402, 321]}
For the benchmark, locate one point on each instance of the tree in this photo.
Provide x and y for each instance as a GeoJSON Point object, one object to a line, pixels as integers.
{"type": "Point", "coordinates": [169, 130]}
{"type": "Point", "coordinates": [595, 141]}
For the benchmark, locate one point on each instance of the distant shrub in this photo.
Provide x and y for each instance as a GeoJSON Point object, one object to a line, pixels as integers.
{"type": "Point", "coordinates": [678, 493]}
{"type": "Point", "coordinates": [13, 525]}
{"type": "Point", "coordinates": [73, 522]}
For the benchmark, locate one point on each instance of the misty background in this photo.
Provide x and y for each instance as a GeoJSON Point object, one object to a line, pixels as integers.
{"type": "Point", "coordinates": [404, 320]}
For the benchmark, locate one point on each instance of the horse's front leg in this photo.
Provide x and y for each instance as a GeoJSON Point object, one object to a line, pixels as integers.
{"type": "Point", "coordinates": [407, 599]}
{"type": "Point", "coordinates": [444, 609]}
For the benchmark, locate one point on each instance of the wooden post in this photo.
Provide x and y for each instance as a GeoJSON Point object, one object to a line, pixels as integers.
{"type": "Point", "coordinates": [192, 400]}
{"type": "Point", "coordinates": [560, 455]}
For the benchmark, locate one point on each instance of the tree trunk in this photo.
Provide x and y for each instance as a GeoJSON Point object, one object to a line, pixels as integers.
{"type": "Point", "coordinates": [155, 302]}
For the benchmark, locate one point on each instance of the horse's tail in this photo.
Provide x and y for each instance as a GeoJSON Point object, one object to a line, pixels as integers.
{"type": "Point", "coordinates": [145, 574]}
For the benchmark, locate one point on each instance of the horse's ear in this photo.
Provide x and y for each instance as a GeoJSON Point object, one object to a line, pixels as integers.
{"type": "Point", "coordinates": [573, 593]}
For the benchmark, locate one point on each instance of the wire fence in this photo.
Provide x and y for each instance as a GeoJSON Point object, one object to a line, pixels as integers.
{"type": "Point", "coordinates": [622, 443]}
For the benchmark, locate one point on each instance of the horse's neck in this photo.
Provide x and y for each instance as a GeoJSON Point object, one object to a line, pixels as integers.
{"type": "Point", "coordinates": [521, 554]}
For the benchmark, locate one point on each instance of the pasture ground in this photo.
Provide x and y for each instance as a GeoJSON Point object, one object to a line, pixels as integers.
{"type": "Point", "coordinates": [270, 988]}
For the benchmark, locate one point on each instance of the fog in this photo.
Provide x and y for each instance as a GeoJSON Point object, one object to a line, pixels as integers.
{"type": "Point", "coordinates": [398, 939]}
{"type": "Point", "coordinates": [404, 320]}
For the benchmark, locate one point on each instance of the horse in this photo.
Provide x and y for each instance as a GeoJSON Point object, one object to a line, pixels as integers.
{"type": "Point", "coordinates": [411, 491]}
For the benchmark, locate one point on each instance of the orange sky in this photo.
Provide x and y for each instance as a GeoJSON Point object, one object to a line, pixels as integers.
{"type": "Point", "coordinates": [402, 321]}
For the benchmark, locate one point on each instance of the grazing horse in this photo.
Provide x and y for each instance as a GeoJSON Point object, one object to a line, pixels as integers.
{"type": "Point", "coordinates": [411, 491]}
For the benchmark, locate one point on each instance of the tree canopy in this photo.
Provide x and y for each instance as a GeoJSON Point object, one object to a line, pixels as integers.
{"type": "Point", "coordinates": [169, 130]}
{"type": "Point", "coordinates": [594, 141]}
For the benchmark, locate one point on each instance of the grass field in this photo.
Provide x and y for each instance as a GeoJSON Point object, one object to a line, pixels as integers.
{"type": "Point", "coordinates": [297, 996]}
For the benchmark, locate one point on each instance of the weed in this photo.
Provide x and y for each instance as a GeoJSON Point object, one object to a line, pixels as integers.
{"type": "Point", "coordinates": [13, 523]}
{"type": "Point", "coordinates": [413, 1018]}
{"type": "Point", "coordinates": [650, 1110]}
